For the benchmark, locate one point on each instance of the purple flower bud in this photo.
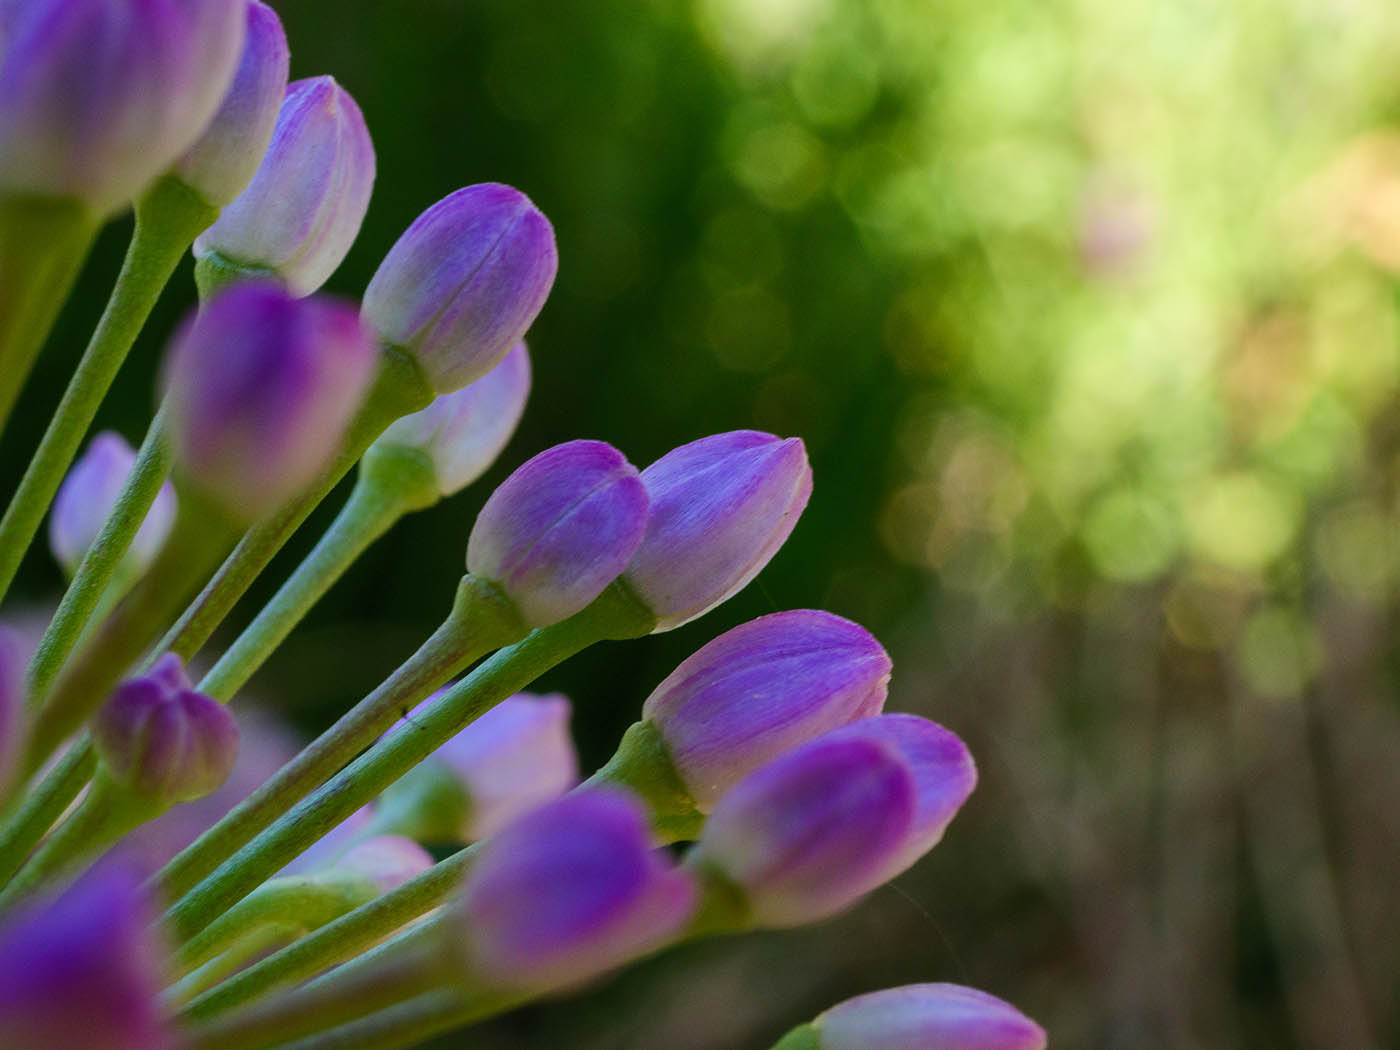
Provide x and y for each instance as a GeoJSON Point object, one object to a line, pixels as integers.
{"type": "Point", "coordinates": [87, 496]}
{"type": "Point", "coordinates": [98, 97]}
{"type": "Point", "coordinates": [760, 690]}
{"type": "Point", "coordinates": [463, 432]}
{"type": "Point", "coordinates": [84, 970]}
{"type": "Point", "coordinates": [300, 214]}
{"type": "Point", "coordinates": [12, 710]}
{"type": "Point", "coordinates": [720, 509]}
{"type": "Point", "coordinates": [261, 387]}
{"type": "Point", "coordinates": [560, 529]}
{"type": "Point", "coordinates": [942, 767]}
{"type": "Point", "coordinates": [388, 861]}
{"type": "Point", "coordinates": [464, 282]}
{"type": "Point", "coordinates": [160, 739]}
{"type": "Point", "coordinates": [569, 891]}
{"type": "Point", "coordinates": [809, 834]}
{"type": "Point", "coordinates": [222, 163]}
{"type": "Point", "coordinates": [920, 1016]}
{"type": "Point", "coordinates": [512, 759]}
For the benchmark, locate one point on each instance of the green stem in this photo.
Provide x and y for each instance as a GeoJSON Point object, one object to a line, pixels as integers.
{"type": "Point", "coordinates": [398, 389]}
{"type": "Point", "coordinates": [414, 967]}
{"type": "Point", "coordinates": [168, 218]}
{"type": "Point", "coordinates": [293, 902]}
{"type": "Point", "coordinates": [481, 621]}
{"type": "Point", "coordinates": [43, 243]}
{"type": "Point", "coordinates": [105, 814]}
{"type": "Point", "coordinates": [200, 536]}
{"type": "Point", "coordinates": [42, 806]}
{"type": "Point", "coordinates": [408, 1023]}
{"type": "Point", "coordinates": [251, 945]}
{"type": "Point", "coordinates": [338, 940]}
{"type": "Point", "coordinates": [386, 489]}
{"type": "Point", "coordinates": [100, 563]}
{"type": "Point", "coordinates": [615, 614]}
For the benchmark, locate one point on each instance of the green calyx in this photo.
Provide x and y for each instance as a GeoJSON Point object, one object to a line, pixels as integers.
{"type": "Point", "coordinates": [642, 764]}
{"type": "Point", "coordinates": [214, 272]}
{"type": "Point", "coordinates": [803, 1037]}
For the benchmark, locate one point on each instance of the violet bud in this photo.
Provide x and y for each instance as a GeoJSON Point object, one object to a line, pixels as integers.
{"type": "Point", "coordinates": [569, 891]}
{"type": "Point", "coordinates": [942, 767]}
{"type": "Point", "coordinates": [222, 162]}
{"type": "Point", "coordinates": [516, 757]}
{"type": "Point", "coordinates": [920, 1016]}
{"type": "Point", "coordinates": [812, 832]}
{"type": "Point", "coordinates": [720, 509]}
{"type": "Point", "coordinates": [13, 721]}
{"type": "Point", "coordinates": [161, 740]}
{"type": "Point", "coordinates": [464, 282]}
{"type": "Point", "coordinates": [261, 387]}
{"type": "Point", "coordinates": [98, 97]}
{"type": "Point", "coordinates": [760, 690]}
{"type": "Point", "coordinates": [84, 970]}
{"type": "Point", "coordinates": [303, 209]}
{"type": "Point", "coordinates": [87, 496]}
{"type": "Point", "coordinates": [463, 432]}
{"type": "Point", "coordinates": [560, 529]}
{"type": "Point", "coordinates": [386, 861]}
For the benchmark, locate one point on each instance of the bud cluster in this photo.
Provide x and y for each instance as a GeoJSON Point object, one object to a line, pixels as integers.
{"type": "Point", "coordinates": [763, 785]}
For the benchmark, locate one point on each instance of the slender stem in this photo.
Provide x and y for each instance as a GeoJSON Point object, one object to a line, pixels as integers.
{"type": "Point", "coordinates": [614, 614]}
{"type": "Point", "coordinates": [168, 218]}
{"type": "Point", "coordinates": [295, 902]}
{"type": "Point", "coordinates": [42, 806]}
{"type": "Point", "coordinates": [406, 1024]}
{"type": "Point", "coordinates": [105, 814]}
{"type": "Point", "coordinates": [478, 624]}
{"type": "Point", "coordinates": [415, 967]}
{"type": "Point", "coordinates": [100, 563]}
{"type": "Point", "coordinates": [398, 389]}
{"type": "Point", "coordinates": [251, 944]}
{"type": "Point", "coordinates": [380, 498]}
{"type": "Point", "coordinates": [338, 940]}
{"type": "Point", "coordinates": [199, 538]}
{"type": "Point", "coordinates": [43, 243]}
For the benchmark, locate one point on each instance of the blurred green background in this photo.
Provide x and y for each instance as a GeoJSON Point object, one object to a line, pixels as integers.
{"type": "Point", "coordinates": [1087, 312]}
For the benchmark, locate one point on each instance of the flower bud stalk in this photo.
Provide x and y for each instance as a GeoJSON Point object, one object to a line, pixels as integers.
{"type": "Point", "coordinates": [42, 246]}
{"type": "Point", "coordinates": [168, 218]}
{"type": "Point", "coordinates": [391, 483]}
{"type": "Point", "coordinates": [615, 614]}
{"type": "Point", "coordinates": [481, 621]}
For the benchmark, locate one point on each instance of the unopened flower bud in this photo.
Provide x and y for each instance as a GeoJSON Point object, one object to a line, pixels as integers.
{"type": "Point", "coordinates": [222, 162]}
{"type": "Point", "coordinates": [261, 387]}
{"type": "Point", "coordinates": [84, 970]}
{"type": "Point", "coordinates": [812, 832]}
{"type": "Point", "coordinates": [560, 529]}
{"type": "Point", "coordinates": [720, 509]}
{"type": "Point", "coordinates": [303, 209]}
{"type": "Point", "coordinates": [161, 740]}
{"type": "Point", "coordinates": [942, 767]}
{"type": "Point", "coordinates": [515, 757]}
{"type": "Point", "coordinates": [87, 496]}
{"type": "Point", "coordinates": [917, 1016]}
{"type": "Point", "coordinates": [463, 432]}
{"type": "Point", "coordinates": [569, 891]}
{"type": "Point", "coordinates": [12, 710]}
{"type": "Point", "coordinates": [98, 97]}
{"type": "Point", "coordinates": [464, 282]}
{"type": "Point", "coordinates": [760, 690]}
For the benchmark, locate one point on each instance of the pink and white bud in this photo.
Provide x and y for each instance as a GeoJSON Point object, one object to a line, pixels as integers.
{"type": "Point", "coordinates": [87, 497]}
{"type": "Point", "coordinates": [463, 432]}
{"type": "Point", "coordinates": [161, 740]}
{"type": "Point", "coordinates": [303, 209]}
{"type": "Point", "coordinates": [924, 1016]}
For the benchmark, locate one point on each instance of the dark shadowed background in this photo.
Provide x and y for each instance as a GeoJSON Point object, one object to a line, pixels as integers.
{"type": "Point", "coordinates": [1087, 312]}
